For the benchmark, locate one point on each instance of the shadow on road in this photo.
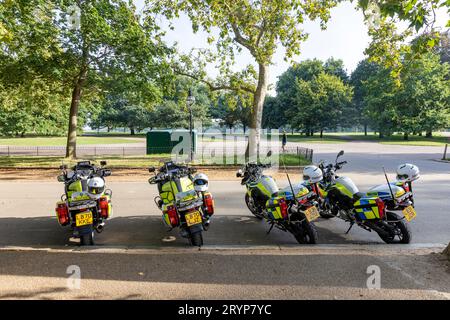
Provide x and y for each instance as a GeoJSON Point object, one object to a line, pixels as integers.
{"type": "Point", "coordinates": [141, 231]}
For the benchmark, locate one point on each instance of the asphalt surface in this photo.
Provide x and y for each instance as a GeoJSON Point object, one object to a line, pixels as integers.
{"type": "Point", "coordinates": [137, 257]}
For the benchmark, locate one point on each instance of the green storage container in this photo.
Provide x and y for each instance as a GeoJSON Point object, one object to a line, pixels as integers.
{"type": "Point", "coordinates": [160, 141]}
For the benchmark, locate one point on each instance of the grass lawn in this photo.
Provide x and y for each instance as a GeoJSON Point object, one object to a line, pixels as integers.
{"type": "Point", "coordinates": [117, 161]}
{"type": "Point", "coordinates": [61, 141]}
{"type": "Point", "coordinates": [343, 137]}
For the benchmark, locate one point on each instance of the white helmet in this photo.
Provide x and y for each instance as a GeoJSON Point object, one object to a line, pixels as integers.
{"type": "Point", "coordinates": [312, 174]}
{"type": "Point", "coordinates": [201, 182]}
{"type": "Point", "coordinates": [96, 186]}
{"type": "Point", "coordinates": [407, 172]}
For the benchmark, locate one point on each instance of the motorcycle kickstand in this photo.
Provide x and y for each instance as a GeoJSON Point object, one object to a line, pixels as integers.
{"type": "Point", "coordinates": [351, 226]}
{"type": "Point", "coordinates": [271, 227]}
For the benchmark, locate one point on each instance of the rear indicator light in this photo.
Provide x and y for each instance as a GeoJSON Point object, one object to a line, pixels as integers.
{"type": "Point", "coordinates": [283, 208]}
{"type": "Point", "coordinates": [173, 216]}
{"type": "Point", "coordinates": [62, 213]}
{"type": "Point", "coordinates": [103, 205]}
{"type": "Point", "coordinates": [381, 207]}
{"type": "Point", "coordinates": [209, 203]}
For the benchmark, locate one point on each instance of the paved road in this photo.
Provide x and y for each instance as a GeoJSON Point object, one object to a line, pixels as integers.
{"type": "Point", "coordinates": [170, 269]}
{"type": "Point", "coordinates": [27, 207]}
{"type": "Point", "coordinates": [289, 273]}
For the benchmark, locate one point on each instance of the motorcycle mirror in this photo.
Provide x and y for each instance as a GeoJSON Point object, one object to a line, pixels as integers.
{"type": "Point", "coordinates": [269, 153]}
{"type": "Point", "coordinates": [103, 163]}
{"type": "Point", "coordinates": [151, 169]}
{"type": "Point", "coordinates": [63, 167]}
{"type": "Point", "coordinates": [340, 154]}
{"type": "Point", "coordinates": [61, 178]}
{"type": "Point", "coordinates": [106, 173]}
{"type": "Point", "coordinates": [239, 174]}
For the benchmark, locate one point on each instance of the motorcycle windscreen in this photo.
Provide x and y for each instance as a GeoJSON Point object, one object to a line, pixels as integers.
{"type": "Point", "coordinates": [166, 191]}
{"type": "Point", "coordinates": [268, 186]}
{"type": "Point", "coordinates": [347, 186]}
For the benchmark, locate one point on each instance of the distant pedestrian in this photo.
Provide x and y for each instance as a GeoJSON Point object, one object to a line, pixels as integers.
{"type": "Point", "coordinates": [283, 140]}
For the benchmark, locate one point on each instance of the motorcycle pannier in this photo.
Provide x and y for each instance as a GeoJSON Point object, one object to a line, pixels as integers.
{"type": "Point", "coordinates": [369, 208]}
{"type": "Point", "coordinates": [277, 208]}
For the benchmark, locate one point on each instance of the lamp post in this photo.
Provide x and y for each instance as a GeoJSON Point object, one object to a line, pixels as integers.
{"type": "Point", "coordinates": [190, 102]}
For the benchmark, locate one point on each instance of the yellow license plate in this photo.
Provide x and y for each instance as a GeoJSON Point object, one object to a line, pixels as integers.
{"type": "Point", "coordinates": [312, 214]}
{"type": "Point", "coordinates": [83, 219]}
{"type": "Point", "coordinates": [193, 218]}
{"type": "Point", "coordinates": [409, 213]}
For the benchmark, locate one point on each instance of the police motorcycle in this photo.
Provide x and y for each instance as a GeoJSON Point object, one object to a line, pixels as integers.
{"type": "Point", "coordinates": [184, 200]}
{"type": "Point", "coordinates": [86, 203]}
{"type": "Point", "coordinates": [289, 210]}
{"type": "Point", "coordinates": [373, 210]}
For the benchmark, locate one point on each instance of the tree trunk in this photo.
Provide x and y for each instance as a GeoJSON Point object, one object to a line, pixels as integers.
{"type": "Point", "coordinates": [381, 135]}
{"type": "Point", "coordinates": [71, 148]}
{"type": "Point", "coordinates": [365, 129]}
{"type": "Point", "coordinates": [406, 136]}
{"type": "Point", "coordinates": [132, 131]}
{"type": "Point", "coordinates": [429, 134]}
{"type": "Point", "coordinates": [257, 111]}
{"type": "Point", "coordinates": [321, 134]}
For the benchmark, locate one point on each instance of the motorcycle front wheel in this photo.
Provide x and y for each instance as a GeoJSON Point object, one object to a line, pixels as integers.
{"type": "Point", "coordinates": [252, 208]}
{"type": "Point", "coordinates": [401, 233]}
{"type": "Point", "coordinates": [304, 232]}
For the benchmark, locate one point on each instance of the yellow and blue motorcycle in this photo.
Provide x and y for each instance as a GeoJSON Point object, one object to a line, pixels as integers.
{"type": "Point", "coordinates": [286, 210]}
{"type": "Point", "coordinates": [372, 211]}
{"type": "Point", "coordinates": [86, 203]}
{"type": "Point", "coordinates": [184, 200]}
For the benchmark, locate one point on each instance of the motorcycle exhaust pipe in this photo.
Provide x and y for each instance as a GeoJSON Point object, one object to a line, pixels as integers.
{"type": "Point", "coordinates": [99, 228]}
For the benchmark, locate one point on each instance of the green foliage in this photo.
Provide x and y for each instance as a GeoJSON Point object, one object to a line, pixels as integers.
{"type": "Point", "coordinates": [319, 103]}
{"type": "Point", "coordinates": [421, 103]}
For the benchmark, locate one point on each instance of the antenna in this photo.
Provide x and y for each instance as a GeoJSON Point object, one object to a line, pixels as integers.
{"type": "Point", "coordinates": [290, 184]}
{"type": "Point", "coordinates": [389, 184]}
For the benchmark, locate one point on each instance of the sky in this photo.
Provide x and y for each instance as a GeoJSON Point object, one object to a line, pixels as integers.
{"type": "Point", "coordinates": [345, 38]}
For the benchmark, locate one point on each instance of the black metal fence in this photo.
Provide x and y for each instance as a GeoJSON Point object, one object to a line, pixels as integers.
{"type": "Point", "coordinates": [206, 151]}
{"type": "Point", "coordinates": [61, 151]}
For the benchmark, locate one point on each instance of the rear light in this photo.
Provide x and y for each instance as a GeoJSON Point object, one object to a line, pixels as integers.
{"type": "Point", "coordinates": [381, 207]}
{"type": "Point", "coordinates": [209, 203]}
{"type": "Point", "coordinates": [103, 205]}
{"type": "Point", "coordinates": [62, 213]}
{"type": "Point", "coordinates": [406, 187]}
{"type": "Point", "coordinates": [173, 216]}
{"type": "Point", "coordinates": [283, 208]}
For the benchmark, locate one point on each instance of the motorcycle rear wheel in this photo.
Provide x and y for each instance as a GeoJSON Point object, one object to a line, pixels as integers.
{"type": "Point", "coordinates": [404, 235]}
{"type": "Point", "coordinates": [196, 239]}
{"type": "Point", "coordinates": [304, 232]}
{"type": "Point", "coordinates": [87, 239]}
{"type": "Point", "coordinates": [252, 208]}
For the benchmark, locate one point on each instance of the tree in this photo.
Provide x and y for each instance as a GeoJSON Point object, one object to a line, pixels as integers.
{"type": "Point", "coordinates": [360, 75]}
{"type": "Point", "coordinates": [273, 114]}
{"type": "Point", "coordinates": [258, 27]}
{"type": "Point", "coordinates": [424, 98]}
{"type": "Point", "coordinates": [88, 46]}
{"type": "Point", "coordinates": [320, 103]}
{"type": "Point", "coordinates": [336, 67]}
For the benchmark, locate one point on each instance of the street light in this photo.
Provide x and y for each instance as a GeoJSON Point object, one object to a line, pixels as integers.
{"type": "Point", "coordinates": [190, 102]}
